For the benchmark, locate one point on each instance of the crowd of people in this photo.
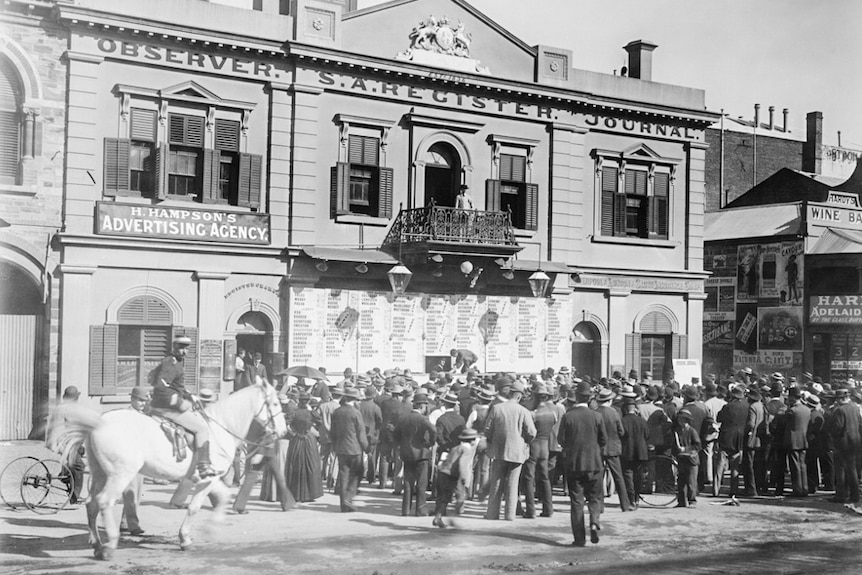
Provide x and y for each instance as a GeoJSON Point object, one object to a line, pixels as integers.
{"type": "Point", "coordinates": [509, 440]}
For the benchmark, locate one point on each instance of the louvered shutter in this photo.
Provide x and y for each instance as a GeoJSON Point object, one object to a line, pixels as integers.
{"type": "Point", "coordinates": [186, 130]}
{"type": "Point", "coordinates": [161, 171]}
{"type": "Point", "coordinates": [10, 122]}
{"type": "Point", "coordinates": [679, 346]}
{"type": "Point", "coordinates": [212, 165]}
{"type": "Point", "coordinates": [513, 168]}
{"type": "Point", "coordinates": [532, 199]}
{"type": "Point", "coordinates": [143, 125]}
{"type": "Point", "coordinates": [117, 180]}
{"type": "Point", "coordinates": [620, 209]}
{"type": "Point", "coordinates": [633, 351]}
{"type": "Point", "coordinates": [363, 150]}
{"type": "Point", "coordinates": [659, 205]}
{"type": "Point", "coordinates": [104, 341]}
{"type": "Point", "coordinates": [609, 189]}
{"type": "Point", "coordinates": [339, 189]}
{"type": "Point", "coordinates": [384, 198]}
{"type": "Point", "coordinates": [493, 200]}
{"type": "Point", "coordinates": [249, 185]}
{"type": "Point", "coordinates": [227, 135]}
{"type": "Point", "coordinates": [190, 364]}
{"type": "Point", "coordinates": [144, 311]}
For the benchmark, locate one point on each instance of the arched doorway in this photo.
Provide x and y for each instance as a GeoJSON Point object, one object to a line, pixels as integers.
{"type": "Point", "coordinates": [21, 329]}
{"type": "Point", "coordinates": [442, 175]}
{"type": "Point", "coordinates": [587, 350]}
{"type": "Point", "coordinates": [253, 329]}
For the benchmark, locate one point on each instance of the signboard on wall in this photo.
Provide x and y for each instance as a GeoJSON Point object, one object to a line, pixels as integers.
{"type": "Point", "coordinates": [115, 219]}
{"type": "Point", "coordinates": [362, 330]}
{"type": "Point", "coordinates": [779, 328]}
{"type": "Point", "coordinates": [836, 309]}
{"type": "Point", "coordinates": [770, 271]}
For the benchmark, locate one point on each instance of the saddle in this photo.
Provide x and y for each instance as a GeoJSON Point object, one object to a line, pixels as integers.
{"type": "Point", "coordinates": [181, 439]}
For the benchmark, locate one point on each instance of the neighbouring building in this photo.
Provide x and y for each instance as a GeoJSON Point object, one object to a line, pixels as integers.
{"type": "Point", "coordinates": [32, 146]}
{"type": "Point", "coordinates": [265, 174]}
{"type": "Point", "coordinates": [786, 289]}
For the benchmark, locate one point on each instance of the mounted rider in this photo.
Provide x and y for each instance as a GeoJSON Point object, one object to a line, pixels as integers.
{"type": "Point", "coordinates": [174, 402]}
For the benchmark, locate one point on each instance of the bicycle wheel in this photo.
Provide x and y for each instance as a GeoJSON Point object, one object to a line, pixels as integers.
{"type": "Point", "coordinates": [10, 481]}
{"type": "Point", "coordinates": [46, 487]}
{"type": "Point", "coordinates": [658, 488]}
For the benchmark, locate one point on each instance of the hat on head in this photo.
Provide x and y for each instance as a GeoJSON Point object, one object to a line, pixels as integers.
{"type": "Point", "coordinates": [738, 392]}
{"type": "Point", "coordinates": [71, 392]}
{"type": "Point", "coordinates": [777, 375]}
{"type": "Point", "coordinates": [206, 395]}
{"type": "Point", "coordinates": [628, 391]}
{"type": "Point", "coordinates": [691, 392]}
{"type": "Point", "coordinates": [583, 389]}
{"type": "Point", "coordinates": [817, 387]}
{"type": "Point", "coordinates": [542, 389]}
{"type": "Point", "coordinates": [450, 398]}
{"type": "Point", "coordinates": [467, 434]}
{"type": "Point", "coordinates": [182, 341]}
{"type": "Point", "coordinates": [351, 393]}
{"type": "Point", "coordinates": [486, 394]}
{"type": "Point", "coordinates": [754, 395]}
{"type": "Point", "coordinates": [420, 399]}
{"type": "Point", "coordinates": [606, 395]}
{"type": "Point", "coordinates": [629, 401]}
{"type": "Point", "coordinates": [304, 396]}
{"type": "Point", "coordinates": [811, 400]}
{"type": "Point", "coordinates": [652, 393]}
{"type": "Point", "coordinates": [518, 386]}
{"type": "Point", "coordinates": [139, 393]}
{"type": "Point", "coordinates": [684, 414]}
{"type": "Point", "coordinates": [709, 389]}
{"type": "Point", "coordinates": [842, 392]}
{"type": "Point", "coordinates": [794, 393]}
{"type": "Point", "coordinates": [258, 355]}
{"type": "Point", "coordinates": [565, 369]}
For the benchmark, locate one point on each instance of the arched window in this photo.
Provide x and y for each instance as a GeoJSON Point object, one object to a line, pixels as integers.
{"type": "Point", "coordinates": [654, 345]}
{"type": "Point", "coordinates": [587, 349]}
{"type": "Point", "coordinates": [11, 97]}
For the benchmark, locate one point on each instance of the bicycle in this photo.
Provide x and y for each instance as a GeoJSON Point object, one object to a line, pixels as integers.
{"type": "Point", "coordinates": [43, 486]}
{"type": "Point", "coordinates": [656, 484]}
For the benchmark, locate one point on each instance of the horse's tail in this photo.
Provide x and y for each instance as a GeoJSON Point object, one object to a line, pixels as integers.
{"type": "Point", "coordinates": [68, 427]}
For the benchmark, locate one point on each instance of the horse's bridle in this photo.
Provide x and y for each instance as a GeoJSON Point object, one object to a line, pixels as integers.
{"type": "Point", "coordinates": [271, 433]}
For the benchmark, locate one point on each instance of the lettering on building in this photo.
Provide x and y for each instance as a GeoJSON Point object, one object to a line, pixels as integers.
{"type": "Point", "coordinates": [836, 309]}
{"type": "Point", "coordinates": [835, 217]}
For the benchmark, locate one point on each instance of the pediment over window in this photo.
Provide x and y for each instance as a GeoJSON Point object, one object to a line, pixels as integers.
{"type": "Point", "coordinates": [190, 89]}
{"type": "Point", "coordinates": [641, 151]}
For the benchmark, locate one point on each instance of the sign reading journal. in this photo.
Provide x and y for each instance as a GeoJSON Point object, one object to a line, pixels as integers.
{"type": "Point", "coordinates": [179, 223]}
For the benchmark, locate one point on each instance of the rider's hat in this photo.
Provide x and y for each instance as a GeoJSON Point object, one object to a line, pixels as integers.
{"type": "Point", "coordinates": [206, 395]}
{"type": "Point", "coordinates": [182, 341]}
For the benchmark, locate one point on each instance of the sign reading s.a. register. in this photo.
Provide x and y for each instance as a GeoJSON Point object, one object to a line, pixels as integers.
{"type": "Point", "coordinates": [175, 223]}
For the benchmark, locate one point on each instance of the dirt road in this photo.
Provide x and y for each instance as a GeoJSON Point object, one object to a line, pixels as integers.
{"type": "Point", "coordinates": [760, 536]}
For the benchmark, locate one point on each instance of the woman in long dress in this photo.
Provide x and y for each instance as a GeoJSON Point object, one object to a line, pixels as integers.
{"type": "Point", "coordinates": [302, 468]}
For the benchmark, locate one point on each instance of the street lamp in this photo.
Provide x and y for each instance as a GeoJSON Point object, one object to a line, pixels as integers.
{"type": "Point", "coordinates": [399, 277]}
{"type": "Point", "coordinates": [539, 283]}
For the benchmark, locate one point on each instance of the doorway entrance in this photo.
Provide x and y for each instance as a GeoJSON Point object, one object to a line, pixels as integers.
{"type": "Point", "coordinates": [442, 175]}
{"type": "Point", "coordinates": [587, 350]}
{"type": "Point", "coordinates": [253, 329]}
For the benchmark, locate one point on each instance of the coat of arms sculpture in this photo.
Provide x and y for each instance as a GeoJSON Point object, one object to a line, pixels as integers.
{"type": "Point", "coordinates": [441, 36]}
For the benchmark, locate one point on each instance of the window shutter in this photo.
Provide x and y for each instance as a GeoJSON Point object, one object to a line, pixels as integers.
{"type": "Point", "coordinates": [250, 166]}
{"type": "Point", "coordinates": [10, 146]}
{"type": "Point", "coordinates": [493, 201]}
{"type": "Point", "coordinates": [609, 189]}
{"type": "Point", "coordinates": [190, 363]}
{"type": "Point", "coordinates": [212, 166]}
{"type": "Point", "coordinates": [532, 216]}
{"type": "Point", "coordinates": [104, 341]}
{"type": "Point", "coordinates": [384, 199]}
{"type": "Point", "coordinates": [161, 171]}
{"type": "Point", "coordinates": [363, 150]}
{"type": "Point", "coordinates": [679, 346]}
{"type": "Point", "coordinates": [636, 182]}
{"type": "Point", "coordinates": [513, 168]}
{"type": "Point", "coordinates": [339, 189]}
{"type": "Point", "coordinates": [186, 130]}
{"type": "Point", "coordinates": [227, 135]}
{"type": "Point", "coordinates": [117, 180]}
{"type": "Point", "coordinates": [633, 351]}
{"type": "Point", "coordinates": [659, 205]}
{"type": "Point", "coordinates": [143, 125]}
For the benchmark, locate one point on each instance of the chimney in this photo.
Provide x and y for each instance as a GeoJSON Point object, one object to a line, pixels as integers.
{"type": "Point", "coordinates": [756, 116]}
{"type": "Point", "coordinates": [812, 149]}
{"type": "Point", "coordinates": [786, 113]}
{"type": "Point", "coordinates": [640, 59]}
{"type": "Point", "coordinates": [771, 117]}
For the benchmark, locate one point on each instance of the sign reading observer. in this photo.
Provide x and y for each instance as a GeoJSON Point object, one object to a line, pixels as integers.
{"type": "Point", "coordinates": [176, 223]}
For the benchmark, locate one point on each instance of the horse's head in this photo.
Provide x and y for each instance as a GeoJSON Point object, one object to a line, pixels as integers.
{"type": "Point", "coordinates": [271, 416]}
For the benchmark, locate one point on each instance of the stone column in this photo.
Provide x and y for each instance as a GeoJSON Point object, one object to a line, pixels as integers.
{"type": "Point", "coordinates": [619, 324]}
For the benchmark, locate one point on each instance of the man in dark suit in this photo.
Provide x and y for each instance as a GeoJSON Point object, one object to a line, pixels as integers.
{"type": "Point", "coordinates": [582, 436]}
{"type": "Point", "coordinates": [509, 431]}
{"type": "Point", "coordinates": [392, 409]}
{"type": "Point", "coordinates": [373, 419]}
{"type": "Point", "coordinates": [796, 441]}
{"type": "Point", "coordinates": [611, 451]}
{"type": "Point", "coordinates": [634, 449]}
{"type": "Point", "coordinates": [349, 442]}
{"type": "Point", "coordinates": [415, 435]}
{"type": "Point", "coordinates": [844, 425]}
{"type": "Point", "coordinates": [754, 456]}
{"type": "Point", "coordinates": [731, 441]}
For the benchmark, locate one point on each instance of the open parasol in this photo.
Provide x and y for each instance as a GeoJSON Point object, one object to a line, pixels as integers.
{"type": "Point", "coordinates": [303, 371]}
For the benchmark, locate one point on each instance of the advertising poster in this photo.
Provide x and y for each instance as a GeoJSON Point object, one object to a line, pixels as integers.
{"type": "Point", "coordinates": [768, 361]}
{"type": "Point", "coordinates": [789, 274]}
{"type": "Point", "coordinates": [718, 334]}
{"type": "Point", "coordinates": [720, 304]}
{"type": "Point", "coordinates": [746, 328]}
{"type": "Point", "coordinates": [748, 273]}
{"type": "Point", "coordinates": [770, 271]}
{"type": "Point", "coordinates": [779, 328]}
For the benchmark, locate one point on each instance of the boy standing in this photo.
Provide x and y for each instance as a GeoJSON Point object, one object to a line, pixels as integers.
{"type": "Point", "coordinates": [688, 459]}
{"type": "Point", "coordinates": [454, 475]}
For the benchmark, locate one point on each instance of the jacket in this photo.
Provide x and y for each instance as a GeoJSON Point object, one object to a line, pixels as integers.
{"type": "Point", "coordinates": [733, 417]}
{"type": "Point", "coordinates": [415, 436]}
{"type": "Point", "coordinates": [509, 431]}
{"type": "Point", "coordinates": [614, 430]}
{"type": "Point", "coordinates": [634, 445]}
{"type": "Point", "coordinates": [582, 436]}
{"type": "Point", "coordinates": [348, 431]}
{"type": "Point", "coordinates": [796, 427]}
{"type": "Point", "coordinates": [755, 425]}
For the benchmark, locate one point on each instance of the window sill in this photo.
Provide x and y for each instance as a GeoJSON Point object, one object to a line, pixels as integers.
{"type": "Point", "coordinates": [524, 234]}
{"type": "Point", "coordinates": [13, 190]}
{"type": "Point", "coordinates": [362, 219]}
{"type": "Point", "coordinates": [633, 241]}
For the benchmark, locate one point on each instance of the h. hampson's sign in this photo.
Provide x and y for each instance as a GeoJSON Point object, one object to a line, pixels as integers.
{"type": "Point", "coordinates": [179, 223]}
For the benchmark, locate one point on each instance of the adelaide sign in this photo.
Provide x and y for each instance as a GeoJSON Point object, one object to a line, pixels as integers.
{"type": "Point", "coordinates": [175, 223]}
{"type": "Point", "coordinates": [836, 309]}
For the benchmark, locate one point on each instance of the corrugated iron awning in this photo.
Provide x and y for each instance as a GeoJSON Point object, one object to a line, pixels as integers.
{"type": "Point", "coordinates": [754, 222]}
{"type": "Point", "coordinates": [836, 241]}
{"type": "Point", "coordinates": [349, 255]}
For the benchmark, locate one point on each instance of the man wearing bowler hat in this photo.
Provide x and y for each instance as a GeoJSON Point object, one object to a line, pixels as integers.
{"type": "Point", "coordinates": [731, 440]}
{"type": "Point", "coordinates": [612, 449]}
{"type": "Point", "coordinates": [796, 441]}
{"type": "Point", "coordinates": [582, 436]}
{"type": "Point", "coordinates": [415, 436]}
{"type": "Point", "coordinates": [349, 442]}
{"type": "Point", "coordinates": [132, 495]}
{"type": "Point", "coordinates": [844, 426]}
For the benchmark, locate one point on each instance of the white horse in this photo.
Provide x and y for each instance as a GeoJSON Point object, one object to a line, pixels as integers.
{"type": "Point", "coordinates": [123, 443]}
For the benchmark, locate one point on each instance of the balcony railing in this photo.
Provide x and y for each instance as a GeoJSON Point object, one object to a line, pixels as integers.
{"type": "Point", "coordinates": [438, 224]}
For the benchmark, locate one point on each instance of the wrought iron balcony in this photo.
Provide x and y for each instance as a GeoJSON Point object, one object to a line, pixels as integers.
{"type": "Point", "coordinates": [439, 229]}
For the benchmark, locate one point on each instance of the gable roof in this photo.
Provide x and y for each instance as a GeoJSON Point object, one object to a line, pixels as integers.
{"type": "Point", "coordinates": [788, 185]}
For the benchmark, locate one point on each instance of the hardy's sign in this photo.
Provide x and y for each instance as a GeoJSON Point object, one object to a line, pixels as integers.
{"type": "Point", "coordinates": [836, 309]}
{"type": "Point", "coordinates": [175, 223]}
